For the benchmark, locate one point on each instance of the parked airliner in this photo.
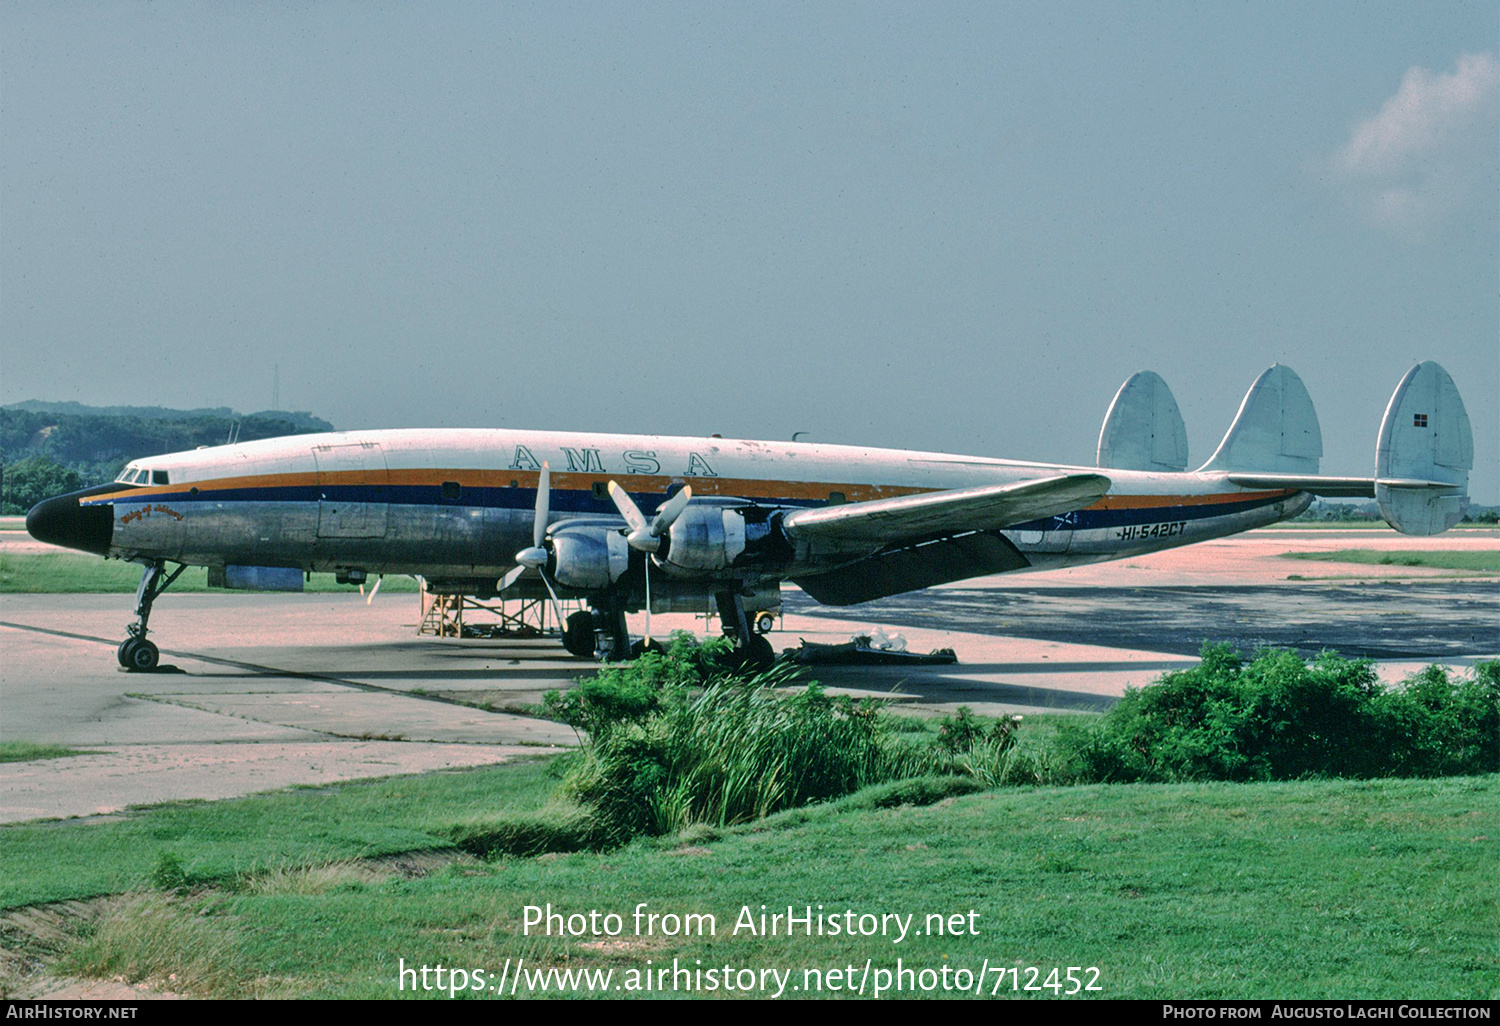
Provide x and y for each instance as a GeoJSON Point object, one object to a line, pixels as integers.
{"type": "Point", "coordinates": [625, 522]}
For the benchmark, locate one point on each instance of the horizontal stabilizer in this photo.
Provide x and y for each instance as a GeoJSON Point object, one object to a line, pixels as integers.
{"type": "Point", "coordinates": [1143, 429]}
{"type": "Point", "coordinates": [930, 514]}
{"type": "Point", "coordinates": [1276, 429]}
{"type": "Point", "coordinates": [1346, 487]}
{"type": "Point", "coordinates": [1425, 453]}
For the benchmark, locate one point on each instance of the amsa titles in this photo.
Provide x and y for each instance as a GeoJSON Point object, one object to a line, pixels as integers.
{"type": "Point", "coordinates": [806, 921]}
{"type": "Point", "coordinates": [584, 460]}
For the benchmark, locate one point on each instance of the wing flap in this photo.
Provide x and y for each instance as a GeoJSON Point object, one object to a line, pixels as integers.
{"type": "Point", "coordinates": [922, 565]}
{"type": "Point", "coordinates": [985, 508]}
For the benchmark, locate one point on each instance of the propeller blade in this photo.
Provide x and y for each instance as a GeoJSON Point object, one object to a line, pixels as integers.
{"type": "Point", "coordinates": [543, 498]}
{"type": "Point", "coordinates": [627, 507]}
{"type": "Point", "coordinates": [556, 603]}
{"type": "Point", "coordinates": [371, 597]}
{"type": "Point", "coordinates": [510, 578]}
{"type": "Point", "coordinates": [670, 511]}
{"type": "Point", "coordinates": [648, 602]}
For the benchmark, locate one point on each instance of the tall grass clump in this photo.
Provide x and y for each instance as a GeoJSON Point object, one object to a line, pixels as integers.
{"type": "Point", "coordinates": [682, 738]}
{"type": "Point", "coordinates": [1278, 718]}
{"type": "Point", "coordinates": [158, 939]}
{"type": "Point", "coordinates": [736, 750]}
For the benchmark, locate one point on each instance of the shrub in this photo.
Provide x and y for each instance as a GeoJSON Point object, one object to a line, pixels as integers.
{"type": "Point", "coordinates": [1280, 718]}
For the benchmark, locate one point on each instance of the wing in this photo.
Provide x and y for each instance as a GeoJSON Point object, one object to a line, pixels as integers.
{"type": "Point", "coordinates": [932, 514]}
{"type": "Point", "coordinates": [933, 538]}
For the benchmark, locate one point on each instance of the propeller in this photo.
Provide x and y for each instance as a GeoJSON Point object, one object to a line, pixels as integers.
{"type": "Point", "coordinates": [371, 597]}
{"type": "Point", "coordinates": [643, 536]}
{"type": "Point", "coordinates": [535, 557]}
{"type": "Point", "coordinates": [646, 537]}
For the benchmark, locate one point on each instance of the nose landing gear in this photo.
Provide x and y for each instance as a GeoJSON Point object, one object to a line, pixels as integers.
{"type": "Point", "coordinates": [136, 653]}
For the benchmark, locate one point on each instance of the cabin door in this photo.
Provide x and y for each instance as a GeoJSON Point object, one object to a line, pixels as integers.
{"type": "Point", "coordinates": [352, 485]}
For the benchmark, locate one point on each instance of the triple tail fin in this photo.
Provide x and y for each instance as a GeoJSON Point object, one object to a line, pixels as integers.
{"type": "Point", "coordinates": [1143, 429]}
{"type": "Point", "coordinates": [1276, 429]}
{"type": "Point", "coordinates": [1425, 453]}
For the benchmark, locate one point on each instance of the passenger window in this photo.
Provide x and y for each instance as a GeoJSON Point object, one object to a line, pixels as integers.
{"type": "Point", "coordinates": [451, 490]}
{"type": "Point", "coordinates": [159, 477]}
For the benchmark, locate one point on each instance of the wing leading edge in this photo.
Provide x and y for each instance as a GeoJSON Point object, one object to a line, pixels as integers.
{"type": "Point", "coordinates": [931, 514]}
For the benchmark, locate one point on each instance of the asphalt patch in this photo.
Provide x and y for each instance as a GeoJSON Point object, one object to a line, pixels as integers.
{"type": "Point", "coordinates": [1384, 621]}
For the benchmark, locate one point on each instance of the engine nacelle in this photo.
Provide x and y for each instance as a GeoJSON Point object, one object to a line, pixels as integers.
{"type": "Point", "coordinates": [704, 539]}
{"type": "Point", "coordinates": [588, 558]}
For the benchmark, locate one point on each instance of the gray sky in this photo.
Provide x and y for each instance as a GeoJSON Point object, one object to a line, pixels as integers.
{"type": "Point", "coordinates": [940, 226]}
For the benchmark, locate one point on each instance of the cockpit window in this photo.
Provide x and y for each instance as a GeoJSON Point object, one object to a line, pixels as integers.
{"type": "Point", "coordinates": [159, 477]}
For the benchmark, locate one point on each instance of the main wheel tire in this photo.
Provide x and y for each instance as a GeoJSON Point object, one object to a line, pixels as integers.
{"type": "Point", "coordinates": [644, 645]}
{"type": "Point", "coordinates": [764, 622]}
{"type": "Point", "coordinates": [144, 656]}
{"type": "Point", "coordinates": [756, 654]}
{"type": "Point", "coordinates": [578, 635]}
{"type": "Point", "coordinates": [123, 653]}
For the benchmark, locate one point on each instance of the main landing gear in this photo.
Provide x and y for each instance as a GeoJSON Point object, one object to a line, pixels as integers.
{"type": "Point", "coordinates": [754, 650]}
{"type": "Point", "coordinates": [599, 632]}
{"type": "Point", "coordinates": [135, 652]}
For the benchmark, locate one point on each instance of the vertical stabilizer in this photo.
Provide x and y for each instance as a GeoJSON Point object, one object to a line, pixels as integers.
{"type": "Point", "coordinates": [1143, 429]}
{"type": "Point", "coordinates": [1425, 453]}
{"type": "Point", "coordinates": [1275, 431]}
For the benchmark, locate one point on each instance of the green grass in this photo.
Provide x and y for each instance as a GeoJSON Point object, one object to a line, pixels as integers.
{"type": "Point", "coordinates": [27, 751]}
{"type": "Point", "coordinates": [1313, 889]}
{"type": "Point", "coordinates": [69, 573]}
{"type": "Point", "coordinates": [53, 861]}
{"type": "Point", "coordinates": [1484, 562]}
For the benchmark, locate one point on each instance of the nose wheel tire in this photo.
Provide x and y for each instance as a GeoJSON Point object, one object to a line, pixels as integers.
{"type": "Point", "coordinates": [138, 655]}
{"type": "Point", "coordinates": [578, 635]}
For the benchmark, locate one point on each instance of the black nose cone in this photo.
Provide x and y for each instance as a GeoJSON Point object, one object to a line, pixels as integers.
{"type": "Point", "coordinates": [62, 521]}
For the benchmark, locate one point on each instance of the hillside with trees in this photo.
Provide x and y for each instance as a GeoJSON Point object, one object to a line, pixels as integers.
{"type": "Point", "coordinates": [50, 448]}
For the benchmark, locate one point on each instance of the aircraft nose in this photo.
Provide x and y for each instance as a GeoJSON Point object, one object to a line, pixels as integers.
{"type": "Point", "coordinates": [62, 521]}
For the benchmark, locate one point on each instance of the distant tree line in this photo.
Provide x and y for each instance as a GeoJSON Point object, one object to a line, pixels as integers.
{"type": "Point", "coordinates": [46, 453]}
{"type": "Point", "coordinates": [1351, 512]}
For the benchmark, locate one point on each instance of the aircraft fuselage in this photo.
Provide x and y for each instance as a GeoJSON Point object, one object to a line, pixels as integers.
{"type": "Point", "coordinates": [459, 503]}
